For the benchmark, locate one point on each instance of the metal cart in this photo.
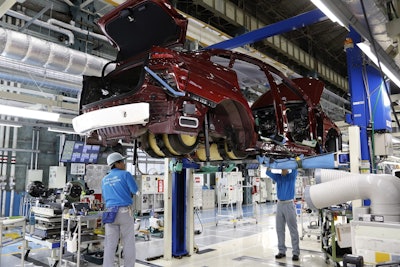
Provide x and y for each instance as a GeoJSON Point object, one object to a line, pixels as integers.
{"type": "Point", "coordinates": [310, 221]}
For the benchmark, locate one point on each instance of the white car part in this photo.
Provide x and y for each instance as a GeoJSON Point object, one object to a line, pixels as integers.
{"type": "Point", "coordinates": [129, 114]}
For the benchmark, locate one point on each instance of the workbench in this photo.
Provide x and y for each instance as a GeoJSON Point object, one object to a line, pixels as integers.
{"type": "Point", "coordinates": [53, 245]}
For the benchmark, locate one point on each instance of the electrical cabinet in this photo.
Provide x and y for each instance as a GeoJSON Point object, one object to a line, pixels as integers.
{"type": "Point", "coordinates": [259, 190]}
{"type": "Point", "coordinates": [270, 190]}
{"type": "Point", "coordinates": [57, 176]}
{"type": "Point", "coordinates": [198, 182]}
{"type": "Point", "coordinates": [33, 175]}
{"type": "Point", "coordinates": [208, 199]}
{"type": "Point", "coordinates": [383, 144]}
{"type": "Point", "coordinates": [151, 198]}
{"type": "Point", "coordinates": [255, 189]}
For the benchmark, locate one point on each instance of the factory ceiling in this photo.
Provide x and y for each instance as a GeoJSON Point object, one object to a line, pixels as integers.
{"type": "Point", "coordinates": [43, 77]}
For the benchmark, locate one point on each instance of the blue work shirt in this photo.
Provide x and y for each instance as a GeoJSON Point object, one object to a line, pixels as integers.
{"type": "Point", "coordinates": [117, 187]}
{"type": "Point", "coordinates": [285, 185]}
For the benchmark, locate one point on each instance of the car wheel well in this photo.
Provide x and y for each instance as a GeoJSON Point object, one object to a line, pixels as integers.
{"type": "Point", "coordinates": [237, 125]}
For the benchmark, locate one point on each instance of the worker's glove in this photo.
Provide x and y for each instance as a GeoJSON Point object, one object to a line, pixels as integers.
{"type": "Point", "coordinates": [138, 193]}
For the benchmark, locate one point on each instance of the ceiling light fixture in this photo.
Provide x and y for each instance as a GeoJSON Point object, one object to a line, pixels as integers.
{"type": "Point", "coordinates": [327, 12]}
{"type": "Point", "coordinates": [366, 48]}
{"type": "Point", "coordinates": [29, 113]}
{"type": "Point", "coordinates": [61, 130]}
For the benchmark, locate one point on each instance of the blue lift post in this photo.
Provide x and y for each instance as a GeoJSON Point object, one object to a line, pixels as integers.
{"type": "Point", "coordinates": [179, 214]}
{"type": "Point", "coordinates": [179, 207]}
{"type": "Point", "coordinates": [370, 103]}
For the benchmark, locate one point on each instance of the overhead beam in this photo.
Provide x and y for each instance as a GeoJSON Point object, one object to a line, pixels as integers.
{"type": "Point", "coordinates": [6, 5]}
{"type": "Point", "coordinates": [236, 15]}
{"type": "Point", "coordinates": [277, 28]}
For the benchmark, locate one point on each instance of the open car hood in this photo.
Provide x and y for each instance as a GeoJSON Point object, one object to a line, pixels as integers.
{"type": "Point", "coordinates": [137, 25]}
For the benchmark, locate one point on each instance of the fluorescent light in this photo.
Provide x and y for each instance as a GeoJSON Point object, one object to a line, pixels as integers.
{"type": "Point", "coordinates": [29, 113]}
{"type": "Point", "coordinates": [61, 130]}
{"type": "Point", "coordinates": [327, 11]}
{"type": "Point", "coordinates": [10, 124]}
{"type": "Point", "coordinates": [366, 48]}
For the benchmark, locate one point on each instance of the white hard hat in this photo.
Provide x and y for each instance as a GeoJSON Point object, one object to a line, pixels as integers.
{"type": "Point", "coordinates": [114, 157]}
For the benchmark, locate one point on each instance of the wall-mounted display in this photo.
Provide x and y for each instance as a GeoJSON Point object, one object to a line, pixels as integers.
{"type": "Point", "coordinates": [79, 152]}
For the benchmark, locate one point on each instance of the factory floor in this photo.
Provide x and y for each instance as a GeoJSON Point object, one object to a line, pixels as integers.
{"type": "Point", "coordinates": [250, 242]}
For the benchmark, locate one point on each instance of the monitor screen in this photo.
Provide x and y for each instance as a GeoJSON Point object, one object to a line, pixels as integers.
{"type": "Point", "coordinates": [79, 152]}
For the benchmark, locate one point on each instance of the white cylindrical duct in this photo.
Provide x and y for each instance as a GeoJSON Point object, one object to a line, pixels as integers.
{"type": "Point", "coordinates": [13, 70]}
{"type": "Point", "coordinates": [382, 189]}
{"type": "Point", "coordinates": [42, 53]}
{"type": "Point", "coordinates": [326, 175]}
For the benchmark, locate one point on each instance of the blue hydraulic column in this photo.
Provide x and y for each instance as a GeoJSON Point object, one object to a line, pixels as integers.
{"type": "Point", "coordinates": [179, 214]}
{"type": "Point", "coordinates": [359, 101]}
{"type": "Point", "coordinates": [369, 99]}
{"type": "Point", "coordinates": [179, 207]}
{"type": "Point", "coordinates": [280, 27]}
{"type": "Point", "coordinates": [379, 101]}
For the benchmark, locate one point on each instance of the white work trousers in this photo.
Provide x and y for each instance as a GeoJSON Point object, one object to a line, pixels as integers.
{"type": "Point", "coordinates": [286, 214]}
{"type": "Point", "coordinates": [124, 227]}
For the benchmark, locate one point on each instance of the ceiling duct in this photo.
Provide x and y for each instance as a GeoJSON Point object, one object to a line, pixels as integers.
{"type": "Point", "coordinates": [41, 53]}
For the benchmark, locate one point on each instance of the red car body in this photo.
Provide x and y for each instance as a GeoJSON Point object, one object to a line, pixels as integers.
{"type": "Point", "coordinates": [197, 103]}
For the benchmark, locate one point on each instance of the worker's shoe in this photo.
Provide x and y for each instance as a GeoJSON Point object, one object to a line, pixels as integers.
{"type": "Point", "coordinates": [295, 257]}
{"type": "Point", "coordinates": [280, 256]}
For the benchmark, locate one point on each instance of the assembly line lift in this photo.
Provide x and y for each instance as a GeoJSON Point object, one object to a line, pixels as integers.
{"type": "Point", "coordinates": [178, 204]}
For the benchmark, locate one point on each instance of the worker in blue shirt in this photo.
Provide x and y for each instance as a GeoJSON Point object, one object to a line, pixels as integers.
{"type": "Point", "coordinates": [118, 186]}
{"type": "Point", "coordinates": [286, 211]}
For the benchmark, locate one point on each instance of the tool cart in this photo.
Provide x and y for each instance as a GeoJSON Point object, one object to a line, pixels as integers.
{"type": "Point", "coordinates": [331, 219]}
